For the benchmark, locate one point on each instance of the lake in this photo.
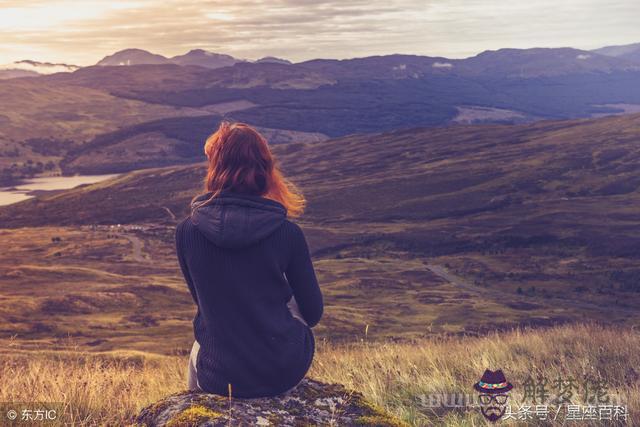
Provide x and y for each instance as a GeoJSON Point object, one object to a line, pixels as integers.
{"type": "Point", "coordinates": [23, 191]}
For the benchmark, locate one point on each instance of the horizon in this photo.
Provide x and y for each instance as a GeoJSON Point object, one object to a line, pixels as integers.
{"type": "Point", "coordinates": [304, 60]}
{"type": "Point", "coordinates": [297, 30]}
{"type": "Point", "coordinates": [307, 59]}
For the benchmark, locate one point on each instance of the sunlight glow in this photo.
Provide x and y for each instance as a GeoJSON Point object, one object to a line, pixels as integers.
{"type": "Point", "coordinates": [54, 14]}
{"type": "Point", "coordinates": [82, 32]}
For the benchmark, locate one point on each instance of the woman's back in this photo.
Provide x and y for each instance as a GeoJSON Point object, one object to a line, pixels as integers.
{"type": "Point", "coordinates": [242, 260]}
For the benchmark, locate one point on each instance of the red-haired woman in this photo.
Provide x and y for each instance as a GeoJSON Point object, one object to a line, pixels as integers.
{"type": "Point", "coordinates": [249, 272]}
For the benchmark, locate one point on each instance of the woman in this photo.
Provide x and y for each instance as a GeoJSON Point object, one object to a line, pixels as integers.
{"type": "Point", "coordinates": [249, 272]}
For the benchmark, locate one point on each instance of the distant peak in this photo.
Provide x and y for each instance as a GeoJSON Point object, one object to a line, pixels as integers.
{"type": "Point", "coordinates": [204, 58]}
{"type": "Point", "coordinates": [133, 56]}
{"type": "Point", "coordinates": [133, 50]}
{"type": "Point", "coordinates": [273, 59]}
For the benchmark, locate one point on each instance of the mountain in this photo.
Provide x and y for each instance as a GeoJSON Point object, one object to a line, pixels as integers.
{"type": "Point", "coordinates": [273, 59]}
{"type": "Point", "coordinates": [539, 62]}
{"type": "Point", "coordinates": [338, 97]}
{"type": "Point", "coordinates": [511, 63]}
{"type": "Point", "coordinates": [518, 63]}
{"type": "Point", "coordinates": [203, 58]}
{"type": "Point", "coordinates": [197, 57]}
{"type": "Point", "coordinates": [629, 52]}
{"type": "Point", "coordinates": [122, 109]}
{"type": "Point", "coordinates": [380, 67]}
{"type": "Point", "coordinates": [133, 57]}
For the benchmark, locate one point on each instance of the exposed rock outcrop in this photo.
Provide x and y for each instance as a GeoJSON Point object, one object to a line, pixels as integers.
{"type": "Point", "coordinates": [312, 403]}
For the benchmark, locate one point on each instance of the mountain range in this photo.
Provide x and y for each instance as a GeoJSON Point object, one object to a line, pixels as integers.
{"type": "Point", "coordinates": [504, 60]}
{"type": "Point", "coordinates": [196, 57]}
{"type": "Point", "coordinates": [155, 111]}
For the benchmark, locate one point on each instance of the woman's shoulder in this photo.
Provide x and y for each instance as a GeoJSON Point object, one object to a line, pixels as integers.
{"type": "Point", "coordinates": [293, 232]}
{"type": "Point", "coordinates": [185, 225]}
{"type": "Point", "coordinates": [184, 222]}
{"type": "Point", "coordinates": [292, 227]}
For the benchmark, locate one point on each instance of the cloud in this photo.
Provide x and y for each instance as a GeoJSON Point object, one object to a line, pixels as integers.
{"type": "Point", "coordinates": [39, 67]}
{"type": "Point", "coordinates": [83, 32]}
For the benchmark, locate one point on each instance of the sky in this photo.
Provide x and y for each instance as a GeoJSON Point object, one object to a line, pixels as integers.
{"type": "Point", "coordinates": [82, 32]}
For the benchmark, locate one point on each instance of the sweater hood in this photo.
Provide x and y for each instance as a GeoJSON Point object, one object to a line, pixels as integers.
{"type": "Point", "coordinates": [233, 220]}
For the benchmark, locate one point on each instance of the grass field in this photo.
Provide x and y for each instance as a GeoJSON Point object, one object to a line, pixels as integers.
{"type": "Point", "coordinates": [118, 288]}
{"type": "Point", "coordinates": [397, 376]}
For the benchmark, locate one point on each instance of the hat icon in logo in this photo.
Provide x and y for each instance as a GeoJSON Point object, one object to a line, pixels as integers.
{"type": "Point", "coordinates": [493, 388]}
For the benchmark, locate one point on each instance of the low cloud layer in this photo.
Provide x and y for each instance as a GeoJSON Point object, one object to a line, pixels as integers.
{"type": "Point", "coordinates": [83, 32]}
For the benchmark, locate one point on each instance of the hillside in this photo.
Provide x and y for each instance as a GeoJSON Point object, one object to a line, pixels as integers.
{"type": "Point", "coordinates": [629, 52]}
{"type": "Point", "coordinates": [450, 173]}
{"type": "Point", "coordinates": [44, 121]}
{"type": "Point", "coordinates": [450, 229]}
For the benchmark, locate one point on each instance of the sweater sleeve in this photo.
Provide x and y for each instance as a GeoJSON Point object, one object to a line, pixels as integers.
{"type": "Point", "coordinates": [302, 279]}
{"type": "Point", "coordinates": [181, 260]}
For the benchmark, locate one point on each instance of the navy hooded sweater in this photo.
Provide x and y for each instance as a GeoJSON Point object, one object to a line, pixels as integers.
{"type": "Point", "coordinates": [242, 261]}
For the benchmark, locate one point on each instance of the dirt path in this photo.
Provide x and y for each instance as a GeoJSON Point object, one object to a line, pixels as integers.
{"type": "Point", "coordinates": [137, 246]}
{"type": "Point", "coordinates": [455, 280]}
{"type": "Point", "coordinates": [168, 211]}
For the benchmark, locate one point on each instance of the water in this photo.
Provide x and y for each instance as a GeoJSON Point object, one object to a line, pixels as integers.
{"type": "Point", "coordinates": [22, 191]}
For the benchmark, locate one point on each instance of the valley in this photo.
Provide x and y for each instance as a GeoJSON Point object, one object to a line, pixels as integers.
{"type": "Point", "coordinates": [107, 289]}
{"type": "Point", "coordinates": [414, 233]}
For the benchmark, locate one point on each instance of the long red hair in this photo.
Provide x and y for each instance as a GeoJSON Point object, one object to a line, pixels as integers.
{"type": "Point", "coordinates": [240, 160]}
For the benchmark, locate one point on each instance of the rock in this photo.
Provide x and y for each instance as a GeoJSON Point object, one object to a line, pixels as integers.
{"type": "Point", "coordinates": [312, 403]}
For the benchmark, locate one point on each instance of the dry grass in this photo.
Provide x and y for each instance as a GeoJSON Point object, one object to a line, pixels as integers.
{"type": "Point", "coordinates": [395, 375]}
{"type": "Point", "coordinates": [95, 389]}
{"type": "Point", "coordinates": [110, 388]}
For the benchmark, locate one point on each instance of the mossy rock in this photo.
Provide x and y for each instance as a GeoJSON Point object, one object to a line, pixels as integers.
{"type": "Point", "coordinates": [311, 403]}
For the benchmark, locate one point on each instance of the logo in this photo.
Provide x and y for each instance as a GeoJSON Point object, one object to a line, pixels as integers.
{"type": "Point", "coordinates": [493, 388]}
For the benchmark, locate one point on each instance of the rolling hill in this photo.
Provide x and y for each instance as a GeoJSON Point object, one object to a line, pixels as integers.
{"type": "Point", "coordinates": [630, 52]}
{"type": "Point", "coordinates": [429, 230]}
{"type": "Point", "coordinates": [466, 173]}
